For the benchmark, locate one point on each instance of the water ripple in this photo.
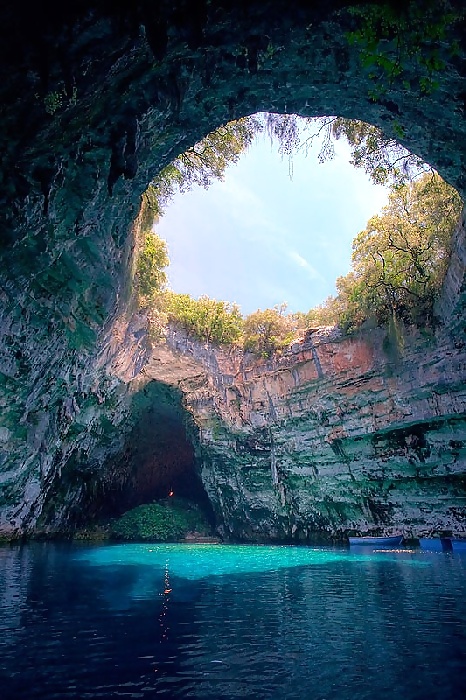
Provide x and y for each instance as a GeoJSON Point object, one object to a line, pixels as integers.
{"type": "Point", "coordinates": [215, 622]}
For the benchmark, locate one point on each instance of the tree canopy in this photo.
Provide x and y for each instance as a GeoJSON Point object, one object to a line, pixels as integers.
{"type": "Point", "coordinates": [398, 262]}
{"type": "Point", "coordinates": [383, 158]}
{"type": "Point", "coordinates": [267, 331]}
{"type": "Point", "coordinates": [400, 259]}
{"type": "Point", "coordinates": [152, 260]}
{"type": "Point", "coordinates": [207, 319]}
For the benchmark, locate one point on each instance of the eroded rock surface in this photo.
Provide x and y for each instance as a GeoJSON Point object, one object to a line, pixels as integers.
{"type": "Point", "coordinates": [339, 433]}
{"type": "Point", "coordinates": [96, 98]}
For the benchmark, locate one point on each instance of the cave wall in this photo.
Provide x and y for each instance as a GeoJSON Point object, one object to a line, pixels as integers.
{"type": "Point", "coordinates": [155, 460]}
{"type": "Point", "coordinates": [339, 434]}
{"type": "Point", "coordinates": [97, 97]}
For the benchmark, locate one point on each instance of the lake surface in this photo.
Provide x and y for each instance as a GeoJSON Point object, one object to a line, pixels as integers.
{"type": "Point", "coordinates": [219, 621]}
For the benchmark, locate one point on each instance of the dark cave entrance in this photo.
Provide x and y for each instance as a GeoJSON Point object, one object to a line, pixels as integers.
{"type": "Point", "coordinates": [158, 459]}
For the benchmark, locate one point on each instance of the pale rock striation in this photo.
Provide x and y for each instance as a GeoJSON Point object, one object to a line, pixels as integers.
{"type": "Point", "coordinates": [337, 434]}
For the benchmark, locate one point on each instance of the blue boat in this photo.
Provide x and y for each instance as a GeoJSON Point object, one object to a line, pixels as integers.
{"type": "Point", "coordinates": [435, 544]}
{"type": "Point", "coordinates": [458, 546]}
{"type": "Point", "coordinates": [379, 541]}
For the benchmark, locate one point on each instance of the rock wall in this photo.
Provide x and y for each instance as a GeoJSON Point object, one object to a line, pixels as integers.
{"type": "Point", "coordinates": [338, 434]}
{"type": "Point", "coordinates": [95, 98]}
{"type": "Point", "coordinates": [364, 434]}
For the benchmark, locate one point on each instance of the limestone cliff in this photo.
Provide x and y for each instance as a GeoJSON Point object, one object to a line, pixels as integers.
{"type": "Point", "coordinates": [337, 434]}
{"type": "Point", "coordinates": [96, 98]}
{"type": "Point", "coordinates": [363, 433]}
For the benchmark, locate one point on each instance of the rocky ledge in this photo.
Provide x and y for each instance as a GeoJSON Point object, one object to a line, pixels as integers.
{"type": "Point", "coordinates": [338, 434]}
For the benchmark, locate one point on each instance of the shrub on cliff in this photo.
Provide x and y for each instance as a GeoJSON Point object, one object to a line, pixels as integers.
{"type": "Point", "coordinates": [267, 331]}
{"type": "Point", "coordinates": [207, 319]}
{"type": "Point", "coordinates": [160, 521]}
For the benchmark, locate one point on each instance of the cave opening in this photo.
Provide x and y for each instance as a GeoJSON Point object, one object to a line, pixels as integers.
{"type": "Point", "coordinates": [257, 232]}
{"type": "Point", "coordinates": [238, 235]}
{"type": "Point", "coordinates": [99, 99]}
{"type": "Point", "coordinates": [157, 462]}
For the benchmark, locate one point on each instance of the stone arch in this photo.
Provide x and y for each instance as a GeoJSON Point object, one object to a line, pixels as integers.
{"type": "Point", "coordinates": [95, 100]}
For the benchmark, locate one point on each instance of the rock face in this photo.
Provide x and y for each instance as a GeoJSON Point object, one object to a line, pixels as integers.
{"type": "Point", "coordinates": [337, 434]}
{"type": "Point", "coordinates": [97, 97]}
{"type": "Point", "coordinates": [364, 433]}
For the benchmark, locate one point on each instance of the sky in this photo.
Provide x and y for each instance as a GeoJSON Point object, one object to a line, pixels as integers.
{"type": "Point", "coordinates": [262, 236]}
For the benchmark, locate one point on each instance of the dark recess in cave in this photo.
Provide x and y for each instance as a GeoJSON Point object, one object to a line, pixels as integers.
{"type": "Point", "coordinates": [158, 458]}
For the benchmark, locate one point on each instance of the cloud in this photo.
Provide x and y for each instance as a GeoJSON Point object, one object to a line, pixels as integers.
{"type": "Point", "coordinates": [305, 264]}
{"type": "Point", "coordinates": [250, 211]}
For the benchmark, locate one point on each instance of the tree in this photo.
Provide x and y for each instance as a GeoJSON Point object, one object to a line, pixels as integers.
{"type": "Point", "coordinates": [151, 277]}
{"type": "Point", "coordinates": [208, 159]}
{"type": "Point", "coordinates": [207, 319]}
{"type": "Point", "coordinates": [323, 315]}
{"type": "Point", "coordinates": [203, 162]}
{"type": "Point", "coordinates": [400, 259]}
{"type": "Point", "coordinates": [383, 158]}
{"type": "Point", "coordinates": [267, 331]}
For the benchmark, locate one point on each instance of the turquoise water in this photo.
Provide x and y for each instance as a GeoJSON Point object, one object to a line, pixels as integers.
{"type": "Point", "coordinates": [215, 621]}
{"type": "Point", "coordinates": [203, 561]}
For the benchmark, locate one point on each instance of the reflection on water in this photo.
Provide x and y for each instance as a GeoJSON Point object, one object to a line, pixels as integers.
{"type": "Point", "coordinates": [205, 561]}
{"type": "Point", "coordinates": [210, 621]}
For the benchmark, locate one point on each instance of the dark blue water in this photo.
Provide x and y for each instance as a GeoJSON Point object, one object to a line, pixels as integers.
{"type": "Point", "coordinates": [195, 621]}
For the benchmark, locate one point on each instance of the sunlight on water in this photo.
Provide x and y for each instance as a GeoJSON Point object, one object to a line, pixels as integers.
{"type": "Point", "coordinates": [230, 622]}
{"type": "Point", "coordinates": [197, 561]}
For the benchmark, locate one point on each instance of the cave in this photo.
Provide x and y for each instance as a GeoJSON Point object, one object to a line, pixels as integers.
{"type": "Point", "coordinates": [155, 462]}
{"type": "Point", "coordinates": [96, 98]}
{"type": "Point", "coordinates": [159, 458]}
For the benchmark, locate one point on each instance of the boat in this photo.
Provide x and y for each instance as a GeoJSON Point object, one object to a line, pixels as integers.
{"type": "Point", "coordinates": [458, 546]}
{"type": "Point", "coordinates": [379, 541]}
{"type": "Point", "coordinates": [435, 544]}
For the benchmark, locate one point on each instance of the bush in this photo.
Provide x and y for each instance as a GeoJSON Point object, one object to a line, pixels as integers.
{"type": "Point", "coordinates": [207, 319]}
{"type": "Point", "coordinates": [161, 521]}
{"type": "Point", "coordinates": [267, 331]}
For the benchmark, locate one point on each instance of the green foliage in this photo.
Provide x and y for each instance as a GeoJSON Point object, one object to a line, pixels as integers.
{"type": "Point", "coordinates": [267, 331]}
{"type": "Point", "coordinates": [382, 157]}
{"type": "Point", "coordinates": [399, 261]}
{"type": "Point", "coordinates": [160, 521]}
{"type": "Point", "coordinates": [148, 213]}
{"type": "Point", "coordinates": [394, 37]}
{"type": "Point", "coordinates": [150, 269]}
{"type": "Point", "coordinates": [323, 315]}
{"type": "Point", "coordinates": [205, 161]}
{"type": "Point", "coordinates": [207, 319]}
{"type": "Point", "coordinates": [208, 159]}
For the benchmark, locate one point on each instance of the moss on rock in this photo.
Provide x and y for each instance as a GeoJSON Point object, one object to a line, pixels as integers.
{"type": "Point", "coordinates": [163, 521]}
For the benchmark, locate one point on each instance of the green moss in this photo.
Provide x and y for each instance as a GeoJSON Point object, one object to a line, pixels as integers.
{"type": "Point", "coordinates": [160, 521]}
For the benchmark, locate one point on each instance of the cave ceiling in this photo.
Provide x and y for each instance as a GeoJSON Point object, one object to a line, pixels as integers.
{"type": "Point", "coordinates": [96, 97]}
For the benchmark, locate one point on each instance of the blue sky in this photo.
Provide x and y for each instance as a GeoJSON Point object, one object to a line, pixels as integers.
{"type": "Point", "coordinates": [261, 237]}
